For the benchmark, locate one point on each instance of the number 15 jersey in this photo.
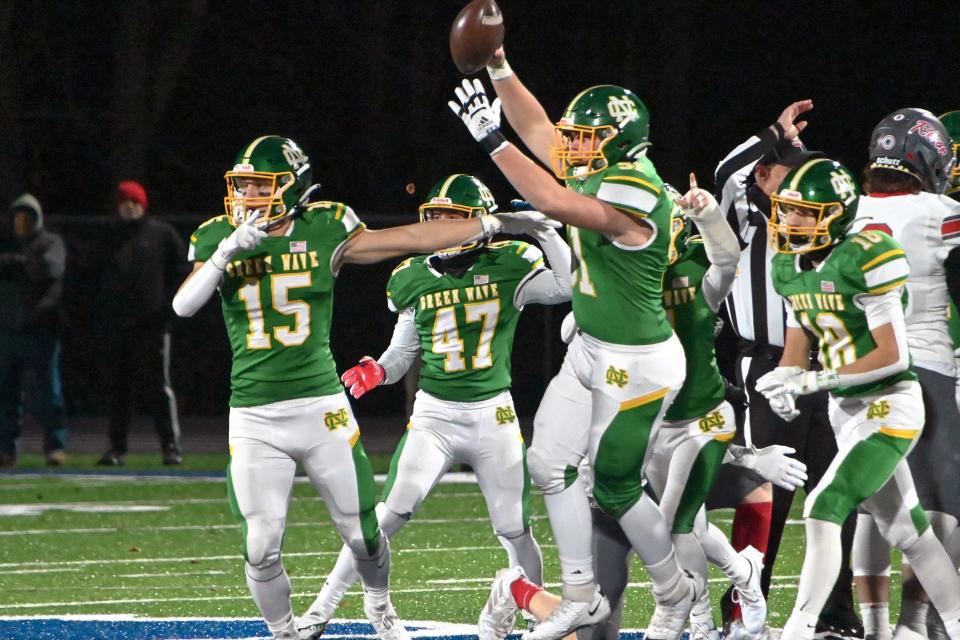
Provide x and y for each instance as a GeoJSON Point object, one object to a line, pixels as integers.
{"type": "Point", "coordinates": [277, 302]}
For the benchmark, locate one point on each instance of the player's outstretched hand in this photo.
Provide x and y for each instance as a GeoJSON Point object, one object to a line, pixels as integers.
{"type": "Point", "coordinates": [775, 464]}
{"type": "Point", "coordinates": [363, 377]}
{"type": "Point", "coordinates": [481, 118]}
{"type": "Point", "coordinates": [531, 223]}
{"type": "Point", "coordinates": [697, 202]}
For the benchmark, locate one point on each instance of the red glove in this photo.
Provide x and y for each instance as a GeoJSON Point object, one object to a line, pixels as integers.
{"type": "Point", "coordinates": [363, 377]}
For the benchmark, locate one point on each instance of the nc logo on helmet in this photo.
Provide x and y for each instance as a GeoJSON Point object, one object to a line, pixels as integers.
{"type": "Point", "coordinates": [844, 186]}
{"type": "Point", "coordinates": [294, 156]}
{"type": "Point", "coordinates": [621, 109]}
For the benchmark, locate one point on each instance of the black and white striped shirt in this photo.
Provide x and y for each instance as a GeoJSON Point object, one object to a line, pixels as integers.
{"type": "Point", "coordinates": [756, 311]}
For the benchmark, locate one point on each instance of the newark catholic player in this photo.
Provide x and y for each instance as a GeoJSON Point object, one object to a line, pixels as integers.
{"type": "Point", "coordinates": [274, 257]}
{"type": "Point", "coordinates": [459, 308]}
{"type": "Point", "coordinates": [629, 365]}
{"type": "Point", "coordinates": [847, 290]}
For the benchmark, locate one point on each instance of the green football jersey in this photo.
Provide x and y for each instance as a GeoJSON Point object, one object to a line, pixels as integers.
{"type": "Point", "coordinates": [618, 290]}
{"type": "Point", "coordinates": [466, 324]}
{"type": "Point", "coordinates": [824, 299]}
{"type": "Point", "coordinates": [953, 324]}
{"type": "Point", "coordinates": [277, 301]}
{"type": "Point", "coordinates": [693, 320]}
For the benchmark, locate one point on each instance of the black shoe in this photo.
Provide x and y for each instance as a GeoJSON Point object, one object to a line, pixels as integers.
{"type": "Point", "coordinates": [7, 459]}
{"type": "Point", "coordinates": [171, 456]}
{"type": "Point", "coordinates": [838, 625]}
{"type": "Point", "coordinates": [112, 458]}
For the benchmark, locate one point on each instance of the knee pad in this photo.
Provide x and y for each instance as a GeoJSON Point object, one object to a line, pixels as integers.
{"type": "Point", "coordinates": [262, 546]}
{"type": "Point", "coordinates": [550, 476]}
{"type": "Point", "coordinates": [905, 528]}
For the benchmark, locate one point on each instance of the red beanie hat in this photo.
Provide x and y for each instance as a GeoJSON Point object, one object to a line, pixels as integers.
{"type": "Point", "coordinates": [132, 190]}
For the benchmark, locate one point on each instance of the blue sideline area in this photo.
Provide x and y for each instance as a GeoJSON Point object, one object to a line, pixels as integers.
{"type": "Point", "coordinates": [112, 628]}
{"type": "Point", "coordinates": [105, 628]}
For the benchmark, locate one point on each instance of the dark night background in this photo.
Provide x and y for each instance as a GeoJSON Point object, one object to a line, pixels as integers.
{"type": "Point", "coordinates": [168, 92]}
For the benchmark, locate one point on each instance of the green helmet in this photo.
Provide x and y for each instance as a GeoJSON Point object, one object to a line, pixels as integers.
{"type": "Point", "coordinates": [608, 123]}
{"type": "Point", "coordinates": [951, 120]}
{"type": "Point", "coordinates": [821, 188]}
{"type": "Point", "coordinates": [271, 161]}
{"type": "Point", "coordinates": [462, 194]}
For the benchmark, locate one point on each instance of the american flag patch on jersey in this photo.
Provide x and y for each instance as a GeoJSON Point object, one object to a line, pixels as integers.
{"type": "Point", "coordinates": [483, 278]}
{"type": "Point", "coordinates": [826, 286]}
{"type": "Point", "coordinates": [681, 282]}
{"type": "Point", "coordinates": [298, 246]}
{"type": "Point", "coordinates": [950, 227]}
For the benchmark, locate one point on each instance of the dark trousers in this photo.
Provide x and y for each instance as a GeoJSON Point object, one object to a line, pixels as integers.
{"type": "Point", "coordinates": [138, 358]}
{"type": "Point", "coordinates": [37, 353]}
{"type": "Point", "coordinates": [812, 436]}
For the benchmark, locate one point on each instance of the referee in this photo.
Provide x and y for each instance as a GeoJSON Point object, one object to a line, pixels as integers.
{"type": "Point", "coordinates": [745, 180]}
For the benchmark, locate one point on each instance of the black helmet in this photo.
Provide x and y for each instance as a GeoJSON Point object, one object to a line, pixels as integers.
{"type": "Point", "coordinates": [914, 141]}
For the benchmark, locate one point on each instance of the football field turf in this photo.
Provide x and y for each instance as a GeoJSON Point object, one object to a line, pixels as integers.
{"type": "Point", "coordinates": [167, 546]}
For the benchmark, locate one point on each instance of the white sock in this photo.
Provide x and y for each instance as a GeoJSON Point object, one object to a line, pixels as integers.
{"type": "Point", "coordinates": [343, 576]}
{"type": "Point", "coordinates": [721, 553]}
{"type": "Point", "coordinates": [570, 519]}
{"type": "Point", "coordinates": [668, 583]}
{"type": "Point", "coordinates": [523, 551]}
{"type": "Point", "coordinates": [937, 575]}
{"type": "Point", "coordinates": [286, 628]}
{"type": "Point", "coordinates": [913, 615]}
{"type": "Point", "coordinates": [689, 554]}
{"type": "Point", "coordinates": [272, 594]}
{"type": "Point", "coordinates": [821, 566]}
{"type": "Point", "coordinates": [876, 619]}
{"type": "Point", "coordinates": [374, 570]}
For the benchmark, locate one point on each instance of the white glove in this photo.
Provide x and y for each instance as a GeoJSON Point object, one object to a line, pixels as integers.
{"type": "Point", "coordinates": [785, 406]}
{"type": "Point", "coordinates": [244, 238]}
{"type": "Point", "coordinates": [773, 463]}
{"type": "Point", "coordinates": [481, 118]}
{"type": "Point", "coordinates": [531, 223]}
{"type": "Point", "coordinates": [796, 381]}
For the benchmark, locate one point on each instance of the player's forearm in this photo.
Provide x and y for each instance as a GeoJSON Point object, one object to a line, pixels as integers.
{"type": "Point", "coordinates": [891, 356]}
{"type": "Point", "coordinates": [796, 349]}
{"type": "Point", "coordinates": [197, 289]}
{"type": "Point", "coordinates": [403, 349]}
{"type": "Point", "coordinates": [549, 197]}
{"type": "Point", "coordinates": [376, 245]}
{"type": "Point", "coordinates": [526, 115]}
{"type": "Point", "coordinates": [557, 252]}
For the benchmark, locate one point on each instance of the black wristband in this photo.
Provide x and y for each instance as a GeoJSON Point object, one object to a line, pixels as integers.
{"type": "Point", "coordinates": [778, 128]}
{"type": "Point", "coordinates": [492, 141]}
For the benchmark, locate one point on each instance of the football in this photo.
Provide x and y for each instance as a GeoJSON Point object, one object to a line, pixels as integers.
{"type": "Point", "coordinates": [476, 33]}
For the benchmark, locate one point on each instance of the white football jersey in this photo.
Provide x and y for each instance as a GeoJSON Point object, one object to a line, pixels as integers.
{"type": "Point", "coordinates": [928, 227]}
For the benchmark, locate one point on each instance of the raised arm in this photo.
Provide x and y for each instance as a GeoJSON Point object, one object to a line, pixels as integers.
{"type": "Point", "coordinates": [524, 112]}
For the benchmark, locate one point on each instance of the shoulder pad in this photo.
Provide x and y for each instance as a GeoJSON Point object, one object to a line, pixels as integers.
{"type": "Point", "coordinates": [400, 267]}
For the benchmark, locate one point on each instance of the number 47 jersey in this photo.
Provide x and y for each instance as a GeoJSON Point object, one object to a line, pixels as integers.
{"type": "Point", "coordinates": [825, 300]}
{"type": "Point", "coordinates": [277, 302]}
{"type": "Point", "coordinates": [465, 322]}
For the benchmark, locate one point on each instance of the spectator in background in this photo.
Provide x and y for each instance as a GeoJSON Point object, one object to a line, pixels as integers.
{"type": "Point", "coordinates": [31, 285]}
{"type": "Point", "coordinates": [140, 280]}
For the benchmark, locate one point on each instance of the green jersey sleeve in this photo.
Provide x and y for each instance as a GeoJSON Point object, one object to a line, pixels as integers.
{"type": "Point", "coordinates": [204, 241]}
{"type": "Point", "coordinates": [628, 186]}
{"type": "Point", "coordinates": [401, 291]}
{"type": "Point", "coordinates": [881, 261]}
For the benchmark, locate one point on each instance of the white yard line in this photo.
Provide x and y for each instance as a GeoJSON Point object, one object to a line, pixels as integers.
{"type": "Point", "coordinates": [233, 556]}
{"type": "Point", "coordinates": [453, 477]}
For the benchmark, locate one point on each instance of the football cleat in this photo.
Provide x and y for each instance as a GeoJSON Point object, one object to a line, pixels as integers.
{"type": "Point", "coordinates": [499, 614]}
{"type": "Point", "coordinates": [753, 606]}
{"type": "Point", "coordinates": [703, 631]}
{"type": "Point", "coordinates": [733, 630]}
{"type": "Point", "coordinates": [311, 631]}
{"type": "Point", "coordinates": [669, 620]}
{"type": "Point", "coordinates": [569, 616]}
{"type": "Point", "coordinates": [383, 617]}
